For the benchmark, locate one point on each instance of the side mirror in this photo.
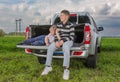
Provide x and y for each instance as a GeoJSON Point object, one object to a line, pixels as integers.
{"type": "Point", "coordinates": [100, 28]}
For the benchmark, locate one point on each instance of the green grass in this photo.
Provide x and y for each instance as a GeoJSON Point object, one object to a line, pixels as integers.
{"type": "Point", "coordinates": [16, 66]}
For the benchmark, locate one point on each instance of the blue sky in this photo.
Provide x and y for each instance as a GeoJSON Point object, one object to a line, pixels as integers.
{"type": "Point", "coordinates": [105, 12]}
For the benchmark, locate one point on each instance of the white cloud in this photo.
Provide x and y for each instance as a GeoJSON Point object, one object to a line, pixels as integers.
{"type": "Point", "coordinates": [38, 11]}
{"type": "Point", "coordinates": [68, 1]}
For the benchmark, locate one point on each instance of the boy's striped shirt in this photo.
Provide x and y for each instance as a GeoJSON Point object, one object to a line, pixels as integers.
{"type": "Point", "coordinates": [66, 31]}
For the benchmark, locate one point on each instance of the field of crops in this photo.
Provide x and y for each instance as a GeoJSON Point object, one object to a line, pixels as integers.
{"type": "Point", "coordinates": [16, 66]}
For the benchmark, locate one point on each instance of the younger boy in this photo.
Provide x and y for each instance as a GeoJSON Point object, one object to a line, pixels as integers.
{"type": "Point", "coordinates": [42, 39]}
{"type": "Point", "coordinates": [51, 36]}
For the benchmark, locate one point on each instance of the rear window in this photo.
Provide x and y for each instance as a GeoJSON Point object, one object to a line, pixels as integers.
{"type": "Point", "coordinates": [83, 19]}
{"type": "Point", "coordinates": [73, 19]}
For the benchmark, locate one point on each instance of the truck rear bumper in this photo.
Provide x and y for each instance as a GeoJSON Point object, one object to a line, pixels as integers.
{"type": "Point", "coordinates": [83, 55]}
{"type": "Point", "coordinates": [73, 49]}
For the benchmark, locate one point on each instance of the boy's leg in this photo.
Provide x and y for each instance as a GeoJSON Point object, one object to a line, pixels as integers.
{"type": "Point", "coordinates": [31, 40]}
{"type": "Point", "coordinates": [66, 50]}
{"type": "Point", "coordinates": [39, 41]}
{"type": "Point", "coordinates": [50, 52]}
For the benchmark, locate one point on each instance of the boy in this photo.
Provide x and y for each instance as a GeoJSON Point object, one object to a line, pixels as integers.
{"type": "Point", "coordinates": [50, 37]}
{"type": "Point", "coordinates": [65, 39]}
{"type": "Point", "coordinates": [42, 39]}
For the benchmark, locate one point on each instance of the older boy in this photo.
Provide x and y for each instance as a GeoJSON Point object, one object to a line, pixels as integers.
{"type": "Point", "coordinates": [65, 39]}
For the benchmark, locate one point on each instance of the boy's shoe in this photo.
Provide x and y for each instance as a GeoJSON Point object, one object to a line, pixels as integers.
{"type": "Point", "coordinates": [46, 70]}
{"type": "Point", "coordinates": [66, 74]}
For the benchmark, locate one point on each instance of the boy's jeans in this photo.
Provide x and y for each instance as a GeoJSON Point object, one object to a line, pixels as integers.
{"type": "Point", "coordinates": [39, 40]}
{"type": "Point", "coordinates": [66, 50]}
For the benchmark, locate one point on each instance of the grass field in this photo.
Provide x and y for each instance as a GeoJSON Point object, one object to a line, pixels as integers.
{"type": "Point", "coordinates": [16, 66]}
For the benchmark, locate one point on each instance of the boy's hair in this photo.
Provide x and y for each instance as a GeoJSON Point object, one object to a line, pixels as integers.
{"type": "Point", "coordinates": [66, 12]}
{"type": "Point", "coordinates": [54, 27]}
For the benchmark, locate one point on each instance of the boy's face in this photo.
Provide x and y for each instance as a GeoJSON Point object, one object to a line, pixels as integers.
{"type": "Point", "coordinates": [64, 17]}
{"type": "Point", "coordinates": [52, 31]}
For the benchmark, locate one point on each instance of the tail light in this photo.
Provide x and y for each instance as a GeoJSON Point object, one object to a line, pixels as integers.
{"type": "Point", "coordinates": [87, 36]}
{"type": "Point", "coordinates": [28, 51]}
{"type": "Point", "coordinates": [77, 53]}
{"type": "Point", "coordinates": [27, 32]}
{"type": "Point", "coordinates": [73, 15]}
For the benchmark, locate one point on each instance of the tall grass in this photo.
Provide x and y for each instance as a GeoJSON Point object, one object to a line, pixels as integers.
{"type": "Point", "coordinates": [16, 66]}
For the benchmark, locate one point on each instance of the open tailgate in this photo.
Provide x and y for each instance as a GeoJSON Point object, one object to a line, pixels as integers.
{"type": "Point", "coordinates": [78, 47]}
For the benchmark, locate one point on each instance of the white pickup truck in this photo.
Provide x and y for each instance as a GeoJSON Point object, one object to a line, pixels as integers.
{"type": "Point", "coordinates": [87, 41]}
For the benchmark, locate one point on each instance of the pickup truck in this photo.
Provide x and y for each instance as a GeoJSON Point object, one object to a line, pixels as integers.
{"type": "Point", "coordinates": [87, 41]}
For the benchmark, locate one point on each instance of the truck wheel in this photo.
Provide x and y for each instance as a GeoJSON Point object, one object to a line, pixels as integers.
{"type": "Point", "coordinates": [99, 49]}
{"type": "Point", "coordinates": [91, 61]}
{"type": "Point", "coordinates": [41, 60]}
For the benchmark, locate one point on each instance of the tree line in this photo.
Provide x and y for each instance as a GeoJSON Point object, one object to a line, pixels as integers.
{"type": "Point", "coordinates": [2, 33]}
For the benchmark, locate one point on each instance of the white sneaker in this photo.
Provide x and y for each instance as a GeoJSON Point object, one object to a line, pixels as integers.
{"type": "Point", "coordinates": [66, 74]}
{"type": "Point", "coordinates": [46, 70]}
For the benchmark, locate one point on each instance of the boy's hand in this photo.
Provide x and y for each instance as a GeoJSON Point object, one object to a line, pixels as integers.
{"type": "Point", "coordinates": [61, 42]}
{"type": "Point", "coordinates": [47, 44]}
{"type": "Point", "coordinates": [57, 30]}
{"type": "Point", "coordinates": [57, 44]}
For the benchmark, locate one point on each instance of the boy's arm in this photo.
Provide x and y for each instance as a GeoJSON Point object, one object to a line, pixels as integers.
{"type": "Point", "coordinates": [72, 33]}
{"type": "Point", "coordinates": [47, 41]}
{"type": "Point", "coordinates": [59, 38]}
{"type": "Point", "coordinates": [57, 34]}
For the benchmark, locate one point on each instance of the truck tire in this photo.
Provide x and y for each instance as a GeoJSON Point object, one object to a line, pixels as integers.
{"type": "Point", "coordinates": [41, 60]}
{"type": "Point", "coordinates": [99, 49]}
{"type": "Point", "coordinates": [91, 61]}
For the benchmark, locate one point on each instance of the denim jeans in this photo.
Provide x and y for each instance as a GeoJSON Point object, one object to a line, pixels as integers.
{"type": "Point", "coordinates": [40, 40]}
{"type": "Point", "coordinates": [66, 51]}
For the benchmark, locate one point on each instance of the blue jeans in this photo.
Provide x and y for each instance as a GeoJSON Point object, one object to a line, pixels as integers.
{"type": "Point", "coordinates": [40, 40]}
{"type": "Point", "coordinates": [66, 51]}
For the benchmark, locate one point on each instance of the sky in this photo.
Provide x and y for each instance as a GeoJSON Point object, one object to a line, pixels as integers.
{"type": "Point", "coordinates": [106, 13]}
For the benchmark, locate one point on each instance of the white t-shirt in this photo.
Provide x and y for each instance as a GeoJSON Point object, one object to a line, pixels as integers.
{"type": "Point", "coordinates": [51, 38]}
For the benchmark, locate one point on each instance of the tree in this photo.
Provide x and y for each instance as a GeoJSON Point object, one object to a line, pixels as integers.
{"type": "Point", "coordinates": [2, 33]}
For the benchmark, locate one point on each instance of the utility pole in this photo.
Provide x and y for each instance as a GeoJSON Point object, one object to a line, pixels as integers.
{"type": "Point", "coordinates": [16, 26]}
{"type": "Point", "coordinates": [20, 25]}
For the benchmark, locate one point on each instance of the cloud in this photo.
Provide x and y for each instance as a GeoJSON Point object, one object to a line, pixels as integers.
{"type": "Point", "coordinates": [105, 12]}
{"type": "Point", "coordinates": [68, 1]}
{"type": "Point", "coordinates": [10, 1]}
{"type": "Point", "coordinates": [37, 14]}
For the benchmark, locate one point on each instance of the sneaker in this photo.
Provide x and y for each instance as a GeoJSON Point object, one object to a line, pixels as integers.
{"type": "Point", "coordinates": [66, 74]}
{"type": "Point", "coordinates": [46, 70]}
